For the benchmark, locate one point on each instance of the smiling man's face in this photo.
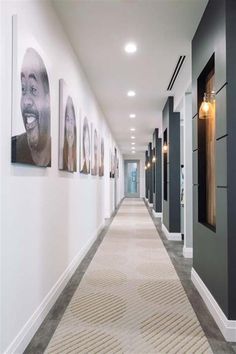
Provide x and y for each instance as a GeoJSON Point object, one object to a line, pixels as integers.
{"type": "Point", "coordinates": [35, 101]}
{"type": "Point", "coordinates": [70, 122]}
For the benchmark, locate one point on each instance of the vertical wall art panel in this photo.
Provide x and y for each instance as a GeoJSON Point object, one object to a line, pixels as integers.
{"type": "Point", "coordinates": [67, 130]}
{"type": "Point", "coordinates": [112, 164]}
{"type": "Point", "coordinates": [31, 109]}
{"type": "Point", "coordinates": [94, 151]}
{"type": "Point", "coordinates": [118, 167]}
{"type": "Point", "coordinates": [85, 146]}
{"type": "Point", "coordinates": [101, 158]}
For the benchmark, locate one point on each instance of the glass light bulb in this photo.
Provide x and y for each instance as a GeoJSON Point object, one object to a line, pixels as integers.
{"type": "Point", "coordinates": [165, 147]}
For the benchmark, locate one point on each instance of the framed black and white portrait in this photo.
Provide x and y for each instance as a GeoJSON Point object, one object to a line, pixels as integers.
{"type": "Point", "coordinates": [101, 158]}
{"type": "Point", "coordinates": [112, 164]}
{"type": "Point", "coordinates": [31, 106]}
{"type": "Point", "coordinates": [94, 152]}
{"type": "Point", "coordinates": [85, 148]}
{"type": "Point", "coordinates": [67, 130]}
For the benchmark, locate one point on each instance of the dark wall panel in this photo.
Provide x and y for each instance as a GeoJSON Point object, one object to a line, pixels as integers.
{"type": "Point", "coordinates": [231, 150]}
{"type": "Point", "coordinates": [215, 252]}
{"type": "Point", "coordinates": [157, 171]}
{"type": "Point", "coordinates": [150, 184]}
{"type": "Point", "coordinates": [171, 206]}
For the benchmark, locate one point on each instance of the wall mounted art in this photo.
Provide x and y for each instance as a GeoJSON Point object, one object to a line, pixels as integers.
{"type": "Point", "coordinates": [112, 164]}
{"type": "Point", "coordinates": [67, 130]}
{"type": "Point", "coordinates": [101, 158]}
{"type": "Point", "coordinates": [118, 167]}
{"type": "Point", "coordinates": [31, 109]}
{"type": "Point", "coordinates": [94, 151]}
{"type": "Point", "coordinates": [85, 148]}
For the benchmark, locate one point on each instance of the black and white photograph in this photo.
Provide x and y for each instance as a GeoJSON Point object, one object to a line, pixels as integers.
{"type": "Point", "coordinates": [112, 164]}
{"type": "Point", "coordinates": [85, 148]}
{"type": "Point", "coordinates": [32, 145]}
{"type": "Point", "coordinates": [94, 152]}
{"type": "Point", "coordinates": [68, 131]}
{"type": "Point", "coordinates": [118, 167]}
{"type": "Point", "coordinates": [101, 158]}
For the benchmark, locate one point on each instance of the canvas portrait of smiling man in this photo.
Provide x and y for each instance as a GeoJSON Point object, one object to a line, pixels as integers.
{"type": "Point", "coordinates": [67, 130]}
{"type": "Point", "coordinates": [33, 145]}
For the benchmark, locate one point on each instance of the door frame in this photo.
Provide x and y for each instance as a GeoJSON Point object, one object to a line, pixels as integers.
{"type": "Point", "coordinates": [125, 177]}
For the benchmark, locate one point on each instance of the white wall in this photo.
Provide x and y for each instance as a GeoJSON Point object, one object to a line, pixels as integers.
{"type": "Point", "coordinates": [48, 218]}
{"type": "Point", "coordinates": [141, 158]}
{"type": "Point", "coordinates": [184, 106]}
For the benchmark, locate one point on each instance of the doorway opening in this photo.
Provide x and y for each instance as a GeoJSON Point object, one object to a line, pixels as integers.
{"type": "Point", "coordinates": [132, 173]}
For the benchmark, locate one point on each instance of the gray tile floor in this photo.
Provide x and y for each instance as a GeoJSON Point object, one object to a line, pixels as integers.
{"type": "Point", "coordinates": [183, 268]}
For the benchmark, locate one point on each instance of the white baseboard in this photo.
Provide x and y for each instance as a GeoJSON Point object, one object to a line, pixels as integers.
{"type": "Point", "coordinates": [188, 252]}
{"type": "Point", "coordinates": [150, 205]}
{"type": "Point", "coordinates": [171, 236]}
{"type": "Point", "coordinates": [25, 335]}
{"type": "Point", "coordinates": [227, 327]}
{"type": "Point", "coordinates": [156, 215]}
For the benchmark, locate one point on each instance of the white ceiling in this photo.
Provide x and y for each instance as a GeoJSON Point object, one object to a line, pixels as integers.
{"type": "Point", "coordinates": [162, 29]}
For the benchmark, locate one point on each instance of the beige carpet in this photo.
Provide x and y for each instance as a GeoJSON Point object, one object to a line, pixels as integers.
{"type": "Point", "coordinates": [130, 299]}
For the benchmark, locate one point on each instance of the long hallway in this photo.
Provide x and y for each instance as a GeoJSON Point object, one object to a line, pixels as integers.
{"type": "Point", "coordinates": [130, 300]}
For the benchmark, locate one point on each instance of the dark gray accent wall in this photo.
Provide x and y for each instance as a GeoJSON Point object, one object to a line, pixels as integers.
{"type": "Point", "coordinates": [157, 171]}
{"type": "Point", "coordinates": [171, 206]}
{"type": "Point", "coordinates": [214, 253]}
{"type": "Point", "coordinates": [150, 184]}
{"type": "Point", "coordinates": [146, 174]}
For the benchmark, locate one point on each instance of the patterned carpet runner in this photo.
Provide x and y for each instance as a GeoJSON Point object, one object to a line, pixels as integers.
{"type": "Point", "coordinates": [130, 300]}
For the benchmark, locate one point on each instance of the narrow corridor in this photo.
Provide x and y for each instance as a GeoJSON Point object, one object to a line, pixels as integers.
{"type": "Point", "coordinates": [130, 300]}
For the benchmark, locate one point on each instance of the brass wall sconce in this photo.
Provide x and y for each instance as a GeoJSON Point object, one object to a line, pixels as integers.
{"type": "Point", "coordinates": [206, 108]}
{"type": "Point", "coordinates": [165, 148]}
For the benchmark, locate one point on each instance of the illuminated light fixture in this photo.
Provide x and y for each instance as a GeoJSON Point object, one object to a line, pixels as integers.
{"type": "Point", "coordinates": [131, 48]}
{"type": "Point", "coordinates": [133, 152]}
{"type": "Point", "coordinates": [132, 129]}
{"type": "Point", "coordinates": [206, 107]}
{"type": "Point", "coordinates": [148, 164]}
{"type": "Point", "coordinates": [154, 159]}
{"type": "Point", "coordinates": [132, 137]}
{"type": "Point", "coordinates": [165, 148]}
{"type": "Point", "coordinates": [132, 115]}
{"type": "Point", "coordinates": [145, 167]}
{"type": "Point", "coordinates": [131, 93]}
{"type": "Point", "coordinates": [133, 143]}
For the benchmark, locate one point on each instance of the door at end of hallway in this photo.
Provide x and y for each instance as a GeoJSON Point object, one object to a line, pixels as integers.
{"type": "Point", "coordinates": [132, 173]}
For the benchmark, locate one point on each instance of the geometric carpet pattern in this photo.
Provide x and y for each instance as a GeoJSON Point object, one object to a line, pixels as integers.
{"type": "Point", "coordinates": [130, 299]}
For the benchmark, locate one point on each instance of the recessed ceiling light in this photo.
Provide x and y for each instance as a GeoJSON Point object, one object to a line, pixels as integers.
{"type": "Point", "coordinates": [132, 137]}
{"type": "Point", "coordinates": [130, 47]}
{"type": "Point", "coordinates": [133, 152]}
{"type": "Point", "coordinates": [132, 129]}
{"type": "Point", "coordinates": [133, 148]}
{"type": "Point", "coordinates": [132, 115]}
{"type": "Point", "coordinates": [131, 93]}
{"type": "Point", "coordinates": [133, 143]}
